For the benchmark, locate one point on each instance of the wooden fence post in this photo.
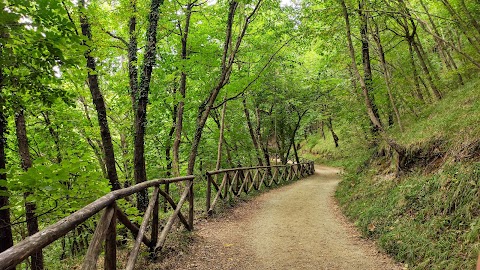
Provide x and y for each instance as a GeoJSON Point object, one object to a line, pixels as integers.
{"type": "Point", "coordinates": [143, 227]}
{"type": "Point", "coordinates": [165, 203]}
{"type": "Point", "coordinates": [209, 191]}
{"type": "Point", "coordinates": [190, 205]}
{"type": "Point", "coordinates": [110, 262]}
{"type": "Point", "coordinates": [155, 224]}
{"type": "Point", "coordinates": [95, 247]}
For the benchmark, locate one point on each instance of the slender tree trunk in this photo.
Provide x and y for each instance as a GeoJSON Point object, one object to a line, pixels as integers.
{"type": "Point", "coordinates": [461, 24]}
{"type": "Point", "coordinates": [99, 102]}
{"type": "Point", "coordinates": [252, 134]}
{"type": "Point", "coordinates": [401, 151]}
{"type": "Point", "coordinates": [423, 64]}
{"type": "Point", "coordinates": [140, 172]}
{"type": "Point", "coordinates": [6, 239]}
{"type": "Point", "coordinates": [228, 58]}
{"type": "Point", "coordinates": [472, 19]}
{"type": "Point", "coordinates": [30, 207]}
{"type": "Point", "coordinates": [132, 56]}
{"type": "Point", "coordinates": [386, 75]}
{"type": "Point", "coordinates": [168, 144]}
{"type": "Point", "coordinates": [447, 57]}
{"type": "Point", "coordinates": [427, 59]}
{"type": "Point", "coordinates": [229, 155]}
{"type": "Point", "coordinates": [95, 144]}
{"type": "Point", "coordinates": [54, 134]}
{"type": "Point", "coordinates": [220, 139]}
{"type": "Point", "coordinates": [416, 77]}
{"type": "Point", "coordinates": [416, 47]}
{"type": "Point", "coordinates": [56, 140]}
{"type": "Point", "coordinates": [295, 152]}
{"type": "Point", "coordinates": [440, 46]}
{"type": "Point", "coordinates": [334, 135]}
{"type": "Point", "coordinates": [452, 45]}
{"type": "Point", "coordinates": [183, 88]}
{"type": "Point", "coordinates": [368, 82]}
{"type": "Point", "coordinates": [322, 131]}
{"type": "Point", "coordinates": [368, 102]}
{"type": "Point", "coordinates": [263, 143]}
{"type": "Point", "coordinates": [294, 133]}
{"type": "Point", "coordinates": [258, 134]}
{"type": "Point", "coordinates": [127, 162]}
{"type": "Point", "coordinates": [366, 55]}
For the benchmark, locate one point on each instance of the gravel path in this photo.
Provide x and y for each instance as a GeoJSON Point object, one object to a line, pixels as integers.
{"type": "Point", "coordinates": [298, 226]}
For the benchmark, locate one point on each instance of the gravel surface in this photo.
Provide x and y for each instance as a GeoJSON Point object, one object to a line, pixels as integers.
{"type": "Point", "coordinates": [298, 226]}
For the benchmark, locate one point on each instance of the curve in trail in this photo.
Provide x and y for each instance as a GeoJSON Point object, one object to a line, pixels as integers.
{"type": "Point", "coordinates": [293, 227]}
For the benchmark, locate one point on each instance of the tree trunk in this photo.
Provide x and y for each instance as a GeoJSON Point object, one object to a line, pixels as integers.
{"type": "Point", "coordinates": [56, 140]}
{"type": "Point", "coordinates": [132, 56]}
{"type": "Point", "coordinates": [368, 102]}
{"type": "Point", "coordinates": [140, 173]}
{"type": "Point", "coordinates": [54, 134]}
{"type": "Point", "coordinates": [461, 24]}
{"type": "Point", "coordinates": [322, 131]}
{"type": "Point", "coordinates": [447, 57]}
{"type": "Point", "coordinates": [220, 139]}
{"type": "Point", "coordinates": [458, 48]}
{"type": "Point", "coordinates": [252, 134]}
{"type": "Point", "coordinates": [416, 78]}
{"type": "Point", "coordinates": [99, 102]}
{"type": "Point", "coordinates": [423, 64]}
{"type": "Point", "coordinates": [421, 57]}
{"type": "Point", "coordinates": [263, 145]}
{"type": "Point", "coordinates": [367, 82]}
{"type": "Point", "coordinates": [95, 144]}
{"type": "Point", "coordinates": [472, 19]}
{"type": "Point", "coordinates": [427, 59]}
{"type": "Point", "coordinates": [334, 135]}
{"type": "Point", "coordinates": [6, 239]}
{"type": "Point", "coordinates": [183, 88]}
{"type": "Point", "coordinates": [294, 133]}
{"type": "Point", "coordinates": [295, 152]}
{"type": "Point", "coordinates": [30, 207]}
{"type": "Point", "coordinates": [401, 151]}
{"type": "Point", "coordinates": [386, 75]}
{"type": "Point", "coordinates": [168, 144]}
{"type": "Point", "coordinates": [439, 44]}
{"type": "Point", "coordinates": [228, 58]}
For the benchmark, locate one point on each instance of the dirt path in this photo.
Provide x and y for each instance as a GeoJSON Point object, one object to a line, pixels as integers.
{"type": "Point", "coordinates": [297, 226]}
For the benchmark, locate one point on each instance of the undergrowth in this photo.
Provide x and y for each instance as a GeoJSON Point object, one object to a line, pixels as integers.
{"type": "Point", "coordinates": [428, 222]}
{"type": "Point", "coordinates": [429, 216]}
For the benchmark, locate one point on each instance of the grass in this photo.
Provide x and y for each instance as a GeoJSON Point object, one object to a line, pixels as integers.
{"type": "Point", "coordinates": [455, 117]}
{"type": "Point", "coordinates": [428, 219]}
{"type": "Point", "coordinates": [428, 222]}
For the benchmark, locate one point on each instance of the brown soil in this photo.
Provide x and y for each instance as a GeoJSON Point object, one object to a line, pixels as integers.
{"type": "Point", "coordinates": [298, 226]}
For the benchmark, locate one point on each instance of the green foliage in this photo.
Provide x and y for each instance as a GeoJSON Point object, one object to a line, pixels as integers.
{"type": "Point", "coordinates": [291, 69]}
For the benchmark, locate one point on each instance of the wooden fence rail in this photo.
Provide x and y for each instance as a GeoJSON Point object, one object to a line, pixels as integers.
{"type": "Point", "coordinates": [237, 180]}
{"type": "Point", "coordinates": [234, 182]}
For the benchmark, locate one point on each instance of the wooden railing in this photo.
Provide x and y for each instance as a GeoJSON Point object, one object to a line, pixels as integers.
{"type": "Point", "coordinates": [237, 180]}
{"type": "Point", "coordinates": [234, 182]}
{"type": "Point", "coordinates": [106, 227]}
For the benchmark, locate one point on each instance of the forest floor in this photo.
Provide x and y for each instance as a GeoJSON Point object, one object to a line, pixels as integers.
{"type": "Point", "coordinates": [298, 226]}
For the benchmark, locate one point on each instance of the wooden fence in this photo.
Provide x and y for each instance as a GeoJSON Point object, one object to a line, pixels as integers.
{"type": "Point", "coordinates": [234, 182]}
{"type": "Point", "coordinates": [237, 180]}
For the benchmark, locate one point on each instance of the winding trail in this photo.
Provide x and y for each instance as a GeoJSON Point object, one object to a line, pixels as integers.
{"type": "Point", "coordinates": [298, 226]}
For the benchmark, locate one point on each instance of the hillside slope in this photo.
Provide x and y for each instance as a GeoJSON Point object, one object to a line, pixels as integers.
{"type": "Point", "coordinates": [429, 215]}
